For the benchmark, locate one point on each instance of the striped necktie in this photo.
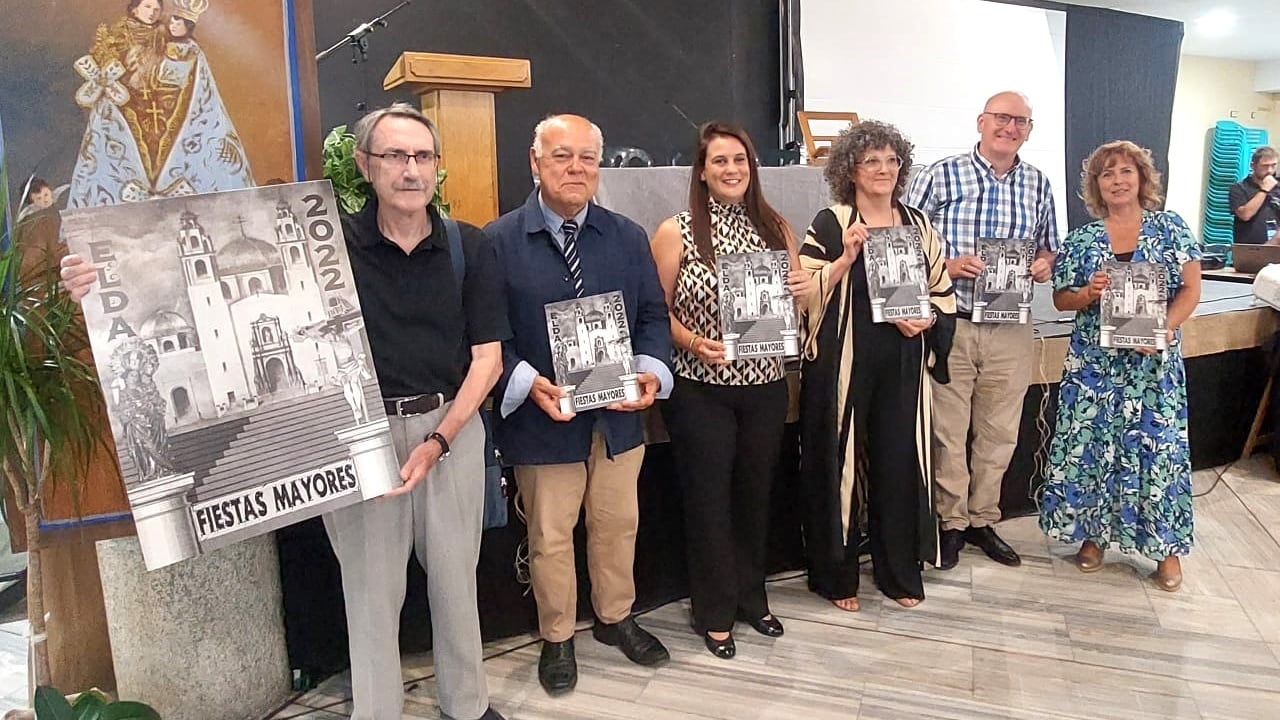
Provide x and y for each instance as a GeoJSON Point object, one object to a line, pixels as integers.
{"type": "Point", "coordinates": [570, 230]}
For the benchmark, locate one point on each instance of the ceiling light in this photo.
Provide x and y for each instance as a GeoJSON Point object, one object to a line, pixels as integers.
{"type": "Point", "coordinates": [1216, 23]}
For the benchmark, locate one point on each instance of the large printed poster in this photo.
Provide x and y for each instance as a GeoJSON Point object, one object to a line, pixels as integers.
{"type": "Point", "coordinates": [234, 363]}
{"type": "Point", "coordinates": [110, 101]}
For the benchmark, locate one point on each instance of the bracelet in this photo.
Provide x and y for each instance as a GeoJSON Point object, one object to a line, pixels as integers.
{"type": "Point", "coordinates": [694, 343]}
{"type": "Point", "coordinates": [444, 444]}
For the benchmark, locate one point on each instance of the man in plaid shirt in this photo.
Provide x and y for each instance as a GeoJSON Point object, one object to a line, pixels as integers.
{"type": "Point", "coordinates": [988, 192]}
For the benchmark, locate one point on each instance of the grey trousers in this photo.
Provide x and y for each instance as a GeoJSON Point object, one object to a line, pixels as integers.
{"type": "Point", "coordinates": [441, 521]}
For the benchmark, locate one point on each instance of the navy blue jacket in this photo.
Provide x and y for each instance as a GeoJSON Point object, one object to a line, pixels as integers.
{"type": "Point", "coordinates": [614, 254]}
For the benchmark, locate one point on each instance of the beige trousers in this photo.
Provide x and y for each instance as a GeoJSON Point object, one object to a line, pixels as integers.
{"type": "Point", "coordinates": [990, 369]}
{"type": "Point", "coordinates": [553, 495]}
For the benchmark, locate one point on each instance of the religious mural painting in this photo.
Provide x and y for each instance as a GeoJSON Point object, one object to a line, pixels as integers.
{"type": "Point", "coordinates": [119, 101]}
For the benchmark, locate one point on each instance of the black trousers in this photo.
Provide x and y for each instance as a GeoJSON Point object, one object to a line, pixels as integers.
{"type": "Point", "coordinates": [885, 416]}
{"type": "Point", "coordinates": [885, 391]}
{"type": "Point", "coordinates": [725, 441]}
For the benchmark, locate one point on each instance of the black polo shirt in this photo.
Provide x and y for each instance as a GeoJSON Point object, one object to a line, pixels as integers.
{"type": "Point", "coordinates": [1254, 230]}
{"type": "Point", "coordinates": [420, 327]}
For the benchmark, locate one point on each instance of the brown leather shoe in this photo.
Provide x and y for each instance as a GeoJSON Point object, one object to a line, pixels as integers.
{"type": "Point", "coordinates": [1089, 558]}
{"type": "Point", "coordinates": [1168, 574]}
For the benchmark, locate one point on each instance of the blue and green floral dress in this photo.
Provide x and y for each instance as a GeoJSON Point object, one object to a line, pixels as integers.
{"type": "Point", "coordinates": [1120, 464]}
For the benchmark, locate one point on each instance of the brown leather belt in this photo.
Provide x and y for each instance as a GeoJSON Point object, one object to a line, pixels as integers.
{"type": "Point", "coordinates": [417, 405]}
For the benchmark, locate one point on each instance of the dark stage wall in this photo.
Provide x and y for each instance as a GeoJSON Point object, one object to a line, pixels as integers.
{"type": "Point", "coordinates": [632, 66]}
{"type": "Point", "coordinates": [1120, 77]}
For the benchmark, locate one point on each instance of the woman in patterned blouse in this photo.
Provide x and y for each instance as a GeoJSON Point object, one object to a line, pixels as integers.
{"type": "Point", "coordinates": [725, 418]}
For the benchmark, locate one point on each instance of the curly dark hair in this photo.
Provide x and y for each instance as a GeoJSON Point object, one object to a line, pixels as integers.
{"type": "Point", "coordinates": [853, 144]}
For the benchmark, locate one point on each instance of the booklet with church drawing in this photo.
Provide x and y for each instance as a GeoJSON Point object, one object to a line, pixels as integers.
{"type": "Point", "coordinates": [1134, 305]}
{"type": "Point", "coordinates": [1002, 293]}
{"type": "Point", "coordinates": [591, 351]}
{"type": "Point", "coordinates": [897, 278]}
{"type": "Point", "coordinates": [757, 312]}
{"type": "Point", "coordinates": [233, 358]}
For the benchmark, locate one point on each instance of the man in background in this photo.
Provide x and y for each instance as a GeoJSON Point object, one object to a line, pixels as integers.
{"type": "Point", "coordinates": [1255, 201]}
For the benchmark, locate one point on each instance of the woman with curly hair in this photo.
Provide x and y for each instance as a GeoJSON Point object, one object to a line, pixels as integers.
{"type": "Point", "coordinates": [865, 395]}
{"type": "Point", "coordinates": [1120, 464]}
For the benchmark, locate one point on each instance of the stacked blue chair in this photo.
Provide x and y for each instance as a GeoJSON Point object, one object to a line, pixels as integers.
{"type": "Point", "coordinates": [1229, 154]}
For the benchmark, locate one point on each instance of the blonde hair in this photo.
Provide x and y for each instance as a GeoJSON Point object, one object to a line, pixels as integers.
{"type": "Point", "coordinates": [1100, 159]}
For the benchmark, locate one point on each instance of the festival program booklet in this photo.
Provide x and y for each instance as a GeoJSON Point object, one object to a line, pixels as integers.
{"type": "Point", "coordinates": [757, 312]}
{"type": "Point", "coordinates": [897, 278]}
{"type": "Point", "coordinates": [232, 355]}
{"type": "Point", "coordinates": [1003, 290]}
{"type": "Point", "coordinates": [1134, 305]}
{"type": "Point", "coordinates": [591, 351]}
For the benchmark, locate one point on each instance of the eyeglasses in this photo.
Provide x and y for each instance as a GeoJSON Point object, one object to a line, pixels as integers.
{"type": "Point", "coordinates": [893, 162]}
{"type": "Point", "coordinates": [1022, 122]}
{"type": "Point", "coordinates": [400, 157]}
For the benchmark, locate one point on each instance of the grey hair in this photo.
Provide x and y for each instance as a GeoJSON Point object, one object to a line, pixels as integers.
{"type": "Point", "coordinates": [854, 142]}
{"type": "Point", "coordinates": [1263, 153]}
{"type": "Point", "coordinates": [550, 120]}
{"type": "Point", "coordinates": [364, 127]}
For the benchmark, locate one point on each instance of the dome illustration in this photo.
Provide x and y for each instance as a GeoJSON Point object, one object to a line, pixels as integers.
{"type": "Point", "coordinates": [164, 323]}
{"type": "Point", "coordinates": [245, 255]}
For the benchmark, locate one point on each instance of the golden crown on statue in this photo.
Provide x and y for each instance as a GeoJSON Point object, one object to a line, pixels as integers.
{"type": "Point", "coordinates": [190, 9]}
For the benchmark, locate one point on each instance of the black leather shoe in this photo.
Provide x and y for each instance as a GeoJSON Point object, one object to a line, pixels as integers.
{"type": "Point", "coordinates": [991, 544]}
{"type": "Point", "coordinates": [769, 626]}
{"type": "Point", "coordinates": [557, 666]}
{"type": "Point", "coordinates": [492, 714]}
{"type": "Point", "coordinates": [950, 543]}
{"type": "Point", "coordinates": [638, 644]}
{"type": "Point", "coordinates": [724, 649]}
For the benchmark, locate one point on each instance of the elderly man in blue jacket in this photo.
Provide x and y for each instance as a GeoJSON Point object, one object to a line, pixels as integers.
{"type": "Point", "coordinates": [559, 246]}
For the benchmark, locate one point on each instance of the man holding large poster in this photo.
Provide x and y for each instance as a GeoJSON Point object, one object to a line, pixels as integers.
{"type": "Point", "coordinates": [437, 353]}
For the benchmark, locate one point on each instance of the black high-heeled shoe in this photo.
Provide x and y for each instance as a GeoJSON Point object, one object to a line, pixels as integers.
{"type": "Point", "coordinates": [724, 649]}
{"type": "Point", "coordinates": [769, 626]}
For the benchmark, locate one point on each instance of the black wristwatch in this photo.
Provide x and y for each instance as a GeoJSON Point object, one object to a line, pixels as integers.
{"type": "Point", "coordinates": [444, 444]}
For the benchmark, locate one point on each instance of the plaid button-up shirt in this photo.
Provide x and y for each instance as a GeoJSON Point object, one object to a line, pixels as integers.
{"type": "Point", "coordinates": [965, 201]}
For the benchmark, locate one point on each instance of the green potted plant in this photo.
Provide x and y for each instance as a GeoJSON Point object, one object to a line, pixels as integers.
{"type": "Point", "coordinates": [349, 186]}
{"type": "Point", "coordinates": [91, 705]}
{"type": "Point", "coordinates": [45, 429]}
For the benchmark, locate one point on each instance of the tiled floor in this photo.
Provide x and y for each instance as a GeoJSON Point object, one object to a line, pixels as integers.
{"type": "Point", "coordinates": [1038, 642]}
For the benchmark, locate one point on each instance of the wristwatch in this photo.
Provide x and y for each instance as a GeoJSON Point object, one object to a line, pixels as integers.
{"type": "Point", "coordinates": [444, 444]}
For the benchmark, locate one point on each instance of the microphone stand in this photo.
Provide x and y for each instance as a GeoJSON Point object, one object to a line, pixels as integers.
{"type": "Point", "coordinates": [358, 38]}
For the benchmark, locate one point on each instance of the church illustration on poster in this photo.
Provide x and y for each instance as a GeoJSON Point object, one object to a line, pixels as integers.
{"type": "Point", "coordinates": [254, 291]}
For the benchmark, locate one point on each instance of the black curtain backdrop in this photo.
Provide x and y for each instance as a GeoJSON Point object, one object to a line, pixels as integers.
{"type": "Point", "coordinates": [646, 71]}
{"type": "Point", "coordinates": [1120, 77]}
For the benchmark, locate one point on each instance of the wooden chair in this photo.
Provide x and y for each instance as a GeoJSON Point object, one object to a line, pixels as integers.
{"type": "Point", "coordinates": [818, 153]}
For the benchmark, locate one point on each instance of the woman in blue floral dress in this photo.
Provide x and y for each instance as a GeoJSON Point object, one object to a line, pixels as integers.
{"type": "Point", "coordinates": [1120, 465]}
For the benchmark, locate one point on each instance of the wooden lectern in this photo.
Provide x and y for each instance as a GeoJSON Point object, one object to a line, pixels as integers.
{"type": "Point", "coordinates": [457, 94]}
